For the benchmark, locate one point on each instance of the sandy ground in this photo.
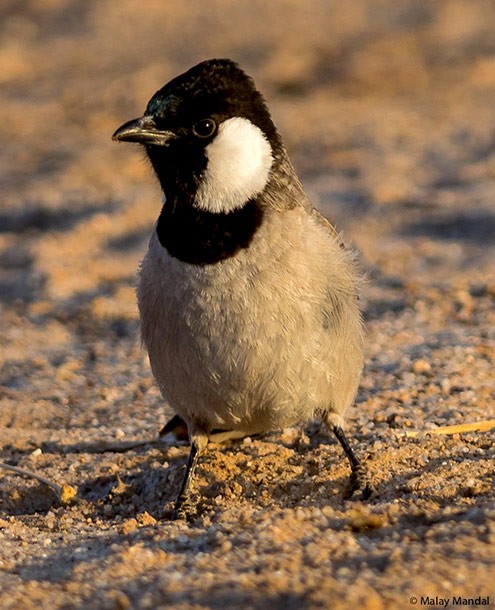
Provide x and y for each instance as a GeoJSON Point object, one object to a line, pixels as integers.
{"type": "Point", "coordinates": [387, 110]}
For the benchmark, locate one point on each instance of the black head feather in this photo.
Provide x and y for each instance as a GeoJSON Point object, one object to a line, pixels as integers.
{"type": "Point", "coordinates": [216, 88]}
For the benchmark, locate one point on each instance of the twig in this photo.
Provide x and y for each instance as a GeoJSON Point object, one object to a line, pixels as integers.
{"type": "Point", "coordinates": [481, 426]}
{"type": "Point", "coordinates": [121, 446]}
{"type": "Point", "coordinates": [65, 493]}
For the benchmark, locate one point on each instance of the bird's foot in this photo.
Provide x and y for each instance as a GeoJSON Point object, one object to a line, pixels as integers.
{"type": "Point", "coordinates": [360, 486]}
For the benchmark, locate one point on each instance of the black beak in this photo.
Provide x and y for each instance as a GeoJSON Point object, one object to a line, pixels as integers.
{"type": "Point", "coordinates": [144, 131]}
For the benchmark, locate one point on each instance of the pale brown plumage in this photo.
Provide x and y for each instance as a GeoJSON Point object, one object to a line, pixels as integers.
{"type": "Point", "coordinates": [259, 336]}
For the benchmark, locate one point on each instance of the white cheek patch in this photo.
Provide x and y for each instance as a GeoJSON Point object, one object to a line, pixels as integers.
{"type": "Point", "coordinates": [239, 163]}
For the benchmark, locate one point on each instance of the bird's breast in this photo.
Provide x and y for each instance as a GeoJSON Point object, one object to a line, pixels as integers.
{"type": "Point", "coordinates": [245, 341]}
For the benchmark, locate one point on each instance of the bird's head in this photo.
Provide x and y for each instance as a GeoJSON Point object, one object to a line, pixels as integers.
{"type": "Point", "coordinates": [209, 136]}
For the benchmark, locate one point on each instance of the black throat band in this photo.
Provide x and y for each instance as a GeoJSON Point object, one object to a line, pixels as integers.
{"type": "Point", "coordinates": [199, 237]}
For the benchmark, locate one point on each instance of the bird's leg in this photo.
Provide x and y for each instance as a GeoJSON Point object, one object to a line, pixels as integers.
{"type": "Point", "coordinates": [199, 440]}
{"type": "Point", "coordinates": [186, 482]}
{"type": "Point", "coordinates": [359, 477]}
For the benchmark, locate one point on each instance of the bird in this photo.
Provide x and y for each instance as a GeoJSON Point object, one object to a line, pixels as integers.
{"type": "Point", "coordinates": [248, 298]}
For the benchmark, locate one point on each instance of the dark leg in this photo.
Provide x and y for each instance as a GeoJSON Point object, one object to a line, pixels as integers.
{"type": "Point", "coordinates": [186, 483]}
{"type": "Point", "coordinates": [359, 476]}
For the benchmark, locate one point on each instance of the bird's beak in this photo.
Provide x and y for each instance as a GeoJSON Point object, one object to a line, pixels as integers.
{"type": "Point", "coordinates": [144, 131]}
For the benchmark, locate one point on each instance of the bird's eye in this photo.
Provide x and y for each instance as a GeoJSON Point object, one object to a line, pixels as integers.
{"type": "Point", "coordinates": [205, 128]}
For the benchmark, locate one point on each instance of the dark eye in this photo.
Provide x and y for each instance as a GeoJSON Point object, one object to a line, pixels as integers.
{"type": "Point", "coordinates": [204, 128]}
